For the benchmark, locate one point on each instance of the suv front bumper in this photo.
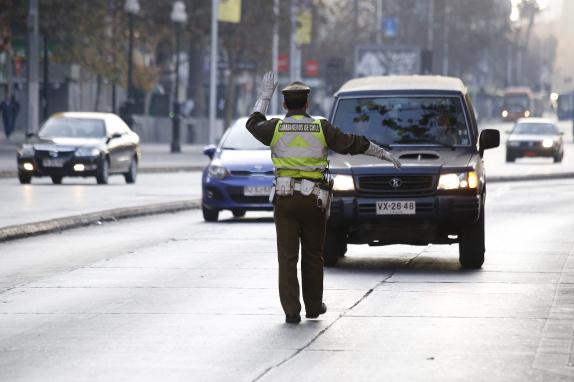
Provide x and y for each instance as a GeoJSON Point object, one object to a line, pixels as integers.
{"type": "Point", "coordinates": [437, 220]}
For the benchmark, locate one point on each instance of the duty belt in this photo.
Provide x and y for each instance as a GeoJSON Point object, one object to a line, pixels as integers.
{"type": "Point", "coordinates": [297, 187]}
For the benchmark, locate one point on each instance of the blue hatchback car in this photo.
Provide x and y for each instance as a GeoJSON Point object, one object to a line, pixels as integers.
{"type": "Point", "coordinates": [240, 175]}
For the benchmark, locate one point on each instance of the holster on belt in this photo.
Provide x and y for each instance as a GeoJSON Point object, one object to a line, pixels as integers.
{"type": "Point", "coordinates": [284, 185]}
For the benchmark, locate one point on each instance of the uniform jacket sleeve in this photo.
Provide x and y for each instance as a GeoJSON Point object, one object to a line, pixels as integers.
{"type": "Point", "coordinates": [261, 128]}
{"type": "Point", "coordinates": [343, 143]}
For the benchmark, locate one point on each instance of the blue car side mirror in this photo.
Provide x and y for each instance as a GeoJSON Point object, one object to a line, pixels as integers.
{"type": "Point", "coordinates": [209, 151]}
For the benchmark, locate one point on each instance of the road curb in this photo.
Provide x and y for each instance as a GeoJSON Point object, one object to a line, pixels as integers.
{"type": "Point", "coordinates": [145, 170]}
{"type": "Point", "coordinates": [61, 224]}
{"type": "Point", "coordinates": [524, 178]}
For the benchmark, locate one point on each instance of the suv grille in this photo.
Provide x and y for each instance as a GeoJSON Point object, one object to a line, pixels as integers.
{"type": "Point", "coordinates": [387, 184]}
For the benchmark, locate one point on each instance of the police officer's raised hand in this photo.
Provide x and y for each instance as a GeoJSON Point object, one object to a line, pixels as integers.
{"type": "Point", "coordinates": [267, 89]}
{"type": "Point", "coordinates": [380, 153]}
{"type": "Point", "coordinates": [268, 86]}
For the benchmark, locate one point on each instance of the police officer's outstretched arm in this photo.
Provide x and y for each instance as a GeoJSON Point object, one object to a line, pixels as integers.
{"type": "Point", "coordinates": [267, 89]}
{"type": "Point", "coordinates": [380, 153]}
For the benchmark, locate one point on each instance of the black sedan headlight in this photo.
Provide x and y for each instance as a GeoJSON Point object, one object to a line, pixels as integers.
{"type": "Point", "coordinates": [87, 152]}
{"type": "Point", "coordinates": [26, 151]}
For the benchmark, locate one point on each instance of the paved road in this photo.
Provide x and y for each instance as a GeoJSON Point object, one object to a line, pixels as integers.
{"type": "Point", "coordinates": [23, 215]}
{"type": "Point", "coordinates": [175, 298]}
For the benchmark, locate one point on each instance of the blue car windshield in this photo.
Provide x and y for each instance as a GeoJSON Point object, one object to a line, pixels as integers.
{"type": "Point", "coordinates": [239, 138]}
{"type": "Point", "coordinates": [72, 128]}
{"type": "Point", "coordinates": [405, 120]}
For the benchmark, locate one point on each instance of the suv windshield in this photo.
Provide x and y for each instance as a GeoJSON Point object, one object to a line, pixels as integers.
{"type": "Point", "coordinates": [404, 120]}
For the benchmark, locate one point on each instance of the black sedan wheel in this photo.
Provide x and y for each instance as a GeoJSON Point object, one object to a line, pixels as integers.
{"type": "Point", "coordinates": [24, 178]}
{"type": "Point", "coordinates": [103, 173]}
{"type": "Point", "coordinates": [132, 174]}
{"type": "Point", "coordinates": [56, 179]}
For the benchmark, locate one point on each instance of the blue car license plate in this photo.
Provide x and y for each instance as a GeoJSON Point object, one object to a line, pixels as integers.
{"type": "Point", "coordinates": [256, 190]}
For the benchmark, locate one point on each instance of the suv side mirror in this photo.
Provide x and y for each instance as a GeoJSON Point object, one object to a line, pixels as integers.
{"type": "Point", "coordinates": [489, 139]}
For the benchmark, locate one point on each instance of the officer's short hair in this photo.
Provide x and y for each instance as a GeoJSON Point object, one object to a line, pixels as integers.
{"type": "Point", "coordinates": [295, 103]}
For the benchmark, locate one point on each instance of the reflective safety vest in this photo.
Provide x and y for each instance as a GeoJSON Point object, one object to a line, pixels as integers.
{"type": "Point", "coordinates": [298, 148]}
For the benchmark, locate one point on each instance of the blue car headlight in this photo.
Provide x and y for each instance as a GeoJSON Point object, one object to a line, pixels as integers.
{"type": "Point", "coordinates": [217, 171]}
{"type": "Point", "coordinates": [87, 152]}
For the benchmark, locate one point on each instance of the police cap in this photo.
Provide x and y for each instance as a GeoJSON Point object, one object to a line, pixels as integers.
{"type": "Point", "coordinates": [296, 90]}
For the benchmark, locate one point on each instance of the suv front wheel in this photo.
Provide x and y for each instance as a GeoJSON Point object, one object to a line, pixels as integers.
{"type": "Point", "coordinates": [471, 243]}
{"type": "Point", "coordinates": [334, 246]}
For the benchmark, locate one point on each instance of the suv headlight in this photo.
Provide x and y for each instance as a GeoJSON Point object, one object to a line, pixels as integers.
{"type": "Point", "coordinates": [87, 152]}
{"type": "Point", "coordinates": [343, 183]}
{"type": "Point", "coordinates": [217, 171]}
{"type": "Point", "coordinates": [458, 180]}
{"type": "Point", "coordinates": [26, 151]}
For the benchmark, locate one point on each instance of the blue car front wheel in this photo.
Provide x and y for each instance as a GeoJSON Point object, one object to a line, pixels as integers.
{"type": "Point", "coordinates": [210, 215]}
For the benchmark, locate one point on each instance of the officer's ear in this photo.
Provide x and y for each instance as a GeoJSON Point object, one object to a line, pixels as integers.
{"type": "Point", "coordinates": [285, 106]}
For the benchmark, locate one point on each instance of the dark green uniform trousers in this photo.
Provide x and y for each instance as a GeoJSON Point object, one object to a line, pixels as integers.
{"type": "Point", "coordinates": [299, 220]}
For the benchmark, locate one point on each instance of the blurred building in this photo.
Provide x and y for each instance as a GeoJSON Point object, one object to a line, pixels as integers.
{"type": "Point", "coordinates": [563, 73]}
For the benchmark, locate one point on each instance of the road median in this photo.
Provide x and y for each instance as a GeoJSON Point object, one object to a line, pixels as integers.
{"type": "Point", "coordinates": [65, 223]}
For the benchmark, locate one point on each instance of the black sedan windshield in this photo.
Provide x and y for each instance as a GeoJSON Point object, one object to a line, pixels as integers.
{"type": "Point", "coordinates": [72, 128]}
{"type": "Point", "coordinates": [404, 120]}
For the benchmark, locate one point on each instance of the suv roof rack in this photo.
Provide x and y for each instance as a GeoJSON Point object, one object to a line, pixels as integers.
{"type": "Point", "coordinates": [416, 82]}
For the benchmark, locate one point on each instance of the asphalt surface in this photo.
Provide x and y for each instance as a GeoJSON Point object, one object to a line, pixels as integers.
{"type": "Point", "coordinates": [157, 158]}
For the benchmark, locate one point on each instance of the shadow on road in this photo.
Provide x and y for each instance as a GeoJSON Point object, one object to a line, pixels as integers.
{"type": "Point", "coordinates": [234, 220]}
{"type": "Point", "coordinates": [420, 262]}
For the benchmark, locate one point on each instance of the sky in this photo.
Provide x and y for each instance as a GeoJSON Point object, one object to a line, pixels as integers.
{"type": "Point", "coordinates": [553, 9]}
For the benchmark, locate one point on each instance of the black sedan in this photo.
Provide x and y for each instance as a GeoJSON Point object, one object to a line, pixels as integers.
{"type": "Point", "coordinates": [534, 137]}
{"type": "Point", "coordinates": [80, 144]}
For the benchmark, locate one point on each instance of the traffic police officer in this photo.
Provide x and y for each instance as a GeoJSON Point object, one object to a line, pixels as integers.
{"type": "Point", "coordinates": [301, 196]}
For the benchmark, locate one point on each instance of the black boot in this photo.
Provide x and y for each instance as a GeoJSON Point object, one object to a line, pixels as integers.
{"type": "Point", "coordinates": [322, 311]}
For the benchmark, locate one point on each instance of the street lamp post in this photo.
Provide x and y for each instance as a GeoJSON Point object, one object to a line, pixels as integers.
{"type": "Point", "coordinates": [131, 7]}
{"type": "Point", "coordinates": [178, 16]}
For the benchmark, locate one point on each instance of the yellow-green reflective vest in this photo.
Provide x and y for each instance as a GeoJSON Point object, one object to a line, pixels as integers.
{"type": "Point", "coordinates": [298, 148]}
